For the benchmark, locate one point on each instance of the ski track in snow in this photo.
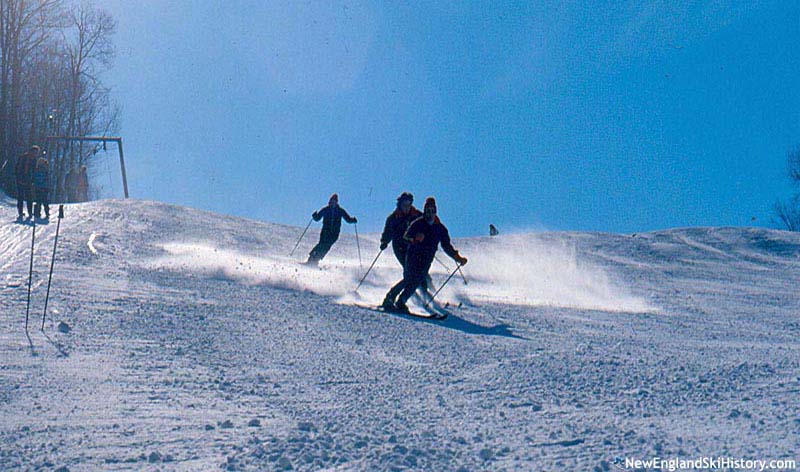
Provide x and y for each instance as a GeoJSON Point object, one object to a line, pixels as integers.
{"type": "Point", "coordinates": [90, 243]}
{"type": "Point", "coordinates": [196, 344]}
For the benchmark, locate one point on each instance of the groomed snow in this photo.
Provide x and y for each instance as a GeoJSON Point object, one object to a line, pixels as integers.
{"type": "Point", "coordinates": [183, 340]}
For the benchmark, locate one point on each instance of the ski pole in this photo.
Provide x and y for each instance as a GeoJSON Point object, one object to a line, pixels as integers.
{"type": "Point", "coordinates": [4, 166]}
{"type": "Point", "coordinates": [52, 263]}
{"type": "Point", "coordinates": [440, 288]}
{"type": "Point", "coordinates": [358, 245]}
{"type": "Point", "coordinates": [301, 237]}
{"type": "Point", "coordinates": [30, 276]}
{"type": "Point", "coordinates": [464, 278]}
{"type": "Point", "coordinates": [441, 263]}
{"type": "Point", "coordinates": [368, 270]}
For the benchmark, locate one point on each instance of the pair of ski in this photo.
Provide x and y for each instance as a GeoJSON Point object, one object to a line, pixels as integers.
{"type": "Point", "coordinates": [433, 312]}
{"type": "Point", "coordinates": [431, 315]}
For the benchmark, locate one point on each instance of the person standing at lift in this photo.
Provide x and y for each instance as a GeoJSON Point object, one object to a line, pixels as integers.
{"type": "Point", "coordinates": [41, 185]}
{"type": "Point", "coordinates": [24, 178]}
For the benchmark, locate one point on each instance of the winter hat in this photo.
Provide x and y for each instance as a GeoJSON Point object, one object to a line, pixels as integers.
{"type": "Point", "coordinates": [334, 198]}
{"type": "Point", "coordinates": [430, 202]}
{"type": "Point", "coordinates": [35, 148]}
{"type": "Point", "coordinates": [405, 196]}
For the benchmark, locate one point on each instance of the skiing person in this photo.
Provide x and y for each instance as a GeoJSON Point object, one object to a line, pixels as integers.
{"type": "Point", "coordinates": [393, 232]}
{"type": "Point", "coordinates": [396, 225]}
{"type": "Point", "coordinates": [24, 177]}
{"type": "Point", "coordinates": [331, 216]}
{"type": "Point", "coordinates": [41, 186]}
{"type": "Point", "coordinates": [424, 236]}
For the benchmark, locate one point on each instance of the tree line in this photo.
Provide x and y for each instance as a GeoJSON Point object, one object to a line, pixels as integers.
{"type": "Point", "coordinates": [52, 55]}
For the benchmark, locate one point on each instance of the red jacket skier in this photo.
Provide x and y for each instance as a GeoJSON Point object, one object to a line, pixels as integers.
{"type": "Point", "coordinates": [396, 225]}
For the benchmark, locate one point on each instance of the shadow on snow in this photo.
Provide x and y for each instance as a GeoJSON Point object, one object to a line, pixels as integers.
{"type": "Point", "coordinates": [460, 324]}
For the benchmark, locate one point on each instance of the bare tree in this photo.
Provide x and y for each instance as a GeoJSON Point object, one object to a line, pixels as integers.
{"type": "Point", "coordinates": [24, 27]}
{"type": "Point", "coordinates": [88, 48]}
{"type": "Point", "coordinates": [793, 165]}
{"type": "Point", "coordinates": [50, 61]}
{"type": "Point", "coordinates": [788, 212]}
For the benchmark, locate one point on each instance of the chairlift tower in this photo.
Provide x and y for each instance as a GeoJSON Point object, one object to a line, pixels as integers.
{"type": "Point", "coordinates": [96, 139]}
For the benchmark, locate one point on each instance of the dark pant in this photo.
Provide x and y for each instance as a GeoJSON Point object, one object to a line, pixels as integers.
{"type": "Point", "coordinates": [42, 196]}
{"type": "Point", "coordinates": [393, 292]}
{"type": "Point", "coordinates": [399, 286]}
{"type": "Point", "coordinates": [414, 275]}
{"type": "Point", "coordinates": [324, 245]}
{"type": "Point", "coordinates": [400, 252]}
{"type": "Point", "coordinates": [23, 198]}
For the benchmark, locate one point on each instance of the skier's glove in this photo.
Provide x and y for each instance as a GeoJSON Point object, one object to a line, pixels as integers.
{"type": "Point", "coordinates": [355, 220]}
{"type": "Point", "coordinates": [461, 260]}
{"type": "Point", "coordinates": [384, 246]}
{"type": "Point", "coordinates": [315, 215]}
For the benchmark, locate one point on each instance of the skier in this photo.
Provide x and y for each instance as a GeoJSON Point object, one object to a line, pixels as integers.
{"type": "Point", "coordinates": [41, 185]}
{"type": "Point", "coordinates": [394, 231]}
{"type": "Point", "coordinates": [331, 217]}
{"type": "Point", "coordinates": [424, 236]}
{"type": "Point", "coordinates": [396, 225]}
{"type": "Point", "coordinates": [24, 177]}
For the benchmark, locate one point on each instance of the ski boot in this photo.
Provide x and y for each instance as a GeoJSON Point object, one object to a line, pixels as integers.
{"type": "Point", "coordinates": [401, 307]}
{"type": "Point", "coordinates": [387, 305]}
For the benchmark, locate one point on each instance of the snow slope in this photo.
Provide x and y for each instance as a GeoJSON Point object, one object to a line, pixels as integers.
{"type": "Point", "coordinates": [197, 344]}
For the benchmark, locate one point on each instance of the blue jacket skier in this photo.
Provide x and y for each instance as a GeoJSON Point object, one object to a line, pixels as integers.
{"type": "Point", "coordinates": [331, 216]}
{"type": "Point", "coordinates": [41, 185]}
{"type": "Point", "coordinates": [424, 237]}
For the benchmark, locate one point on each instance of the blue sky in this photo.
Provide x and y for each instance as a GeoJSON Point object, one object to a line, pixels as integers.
{"type": "Point", "coordinates": [602, 116]}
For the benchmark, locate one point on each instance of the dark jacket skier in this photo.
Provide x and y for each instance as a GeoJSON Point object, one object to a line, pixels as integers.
{"type": "Point", "coordinates": [396, 225]}
{"type": "Point", "coordinates": [424, 237]}
{"type": "Point", "coordinates": [24, 179]}
{"type": "Point", "coordinates": [331, 217]}
{"type": "Point", "coordinates": [394, 231]}
{"type": "Point", "coordinates": [41, 185]}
